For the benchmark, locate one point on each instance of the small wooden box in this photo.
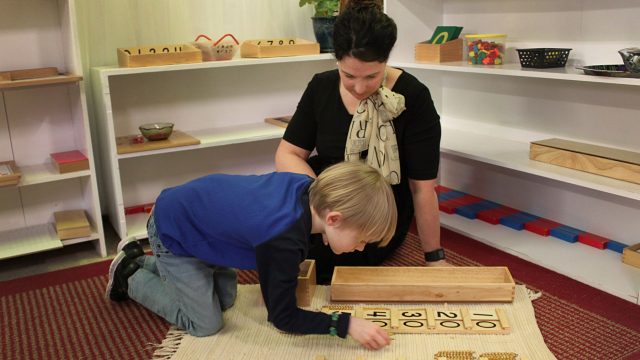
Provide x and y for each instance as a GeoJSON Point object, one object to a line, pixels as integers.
{"type": "Point", "coordinates": [159, 55]}
{"type": "Point", "coordinates": [70, 161]}
{"type": "Point", "coordinates": [306, 283]}
{"type": "Point", "coordinates": [420, 284]}
{"type": "Point", "coordinates": [631, 255]}
{"type": "Point", "coordinates": [449, 51]}
{"type": "Point", "coordinates": [264, 48]}
{"type": "Point", "coordinates": [72, 224]}
{"type": "Point", "coordinates": [9, 173]}
{"type": "Point", "coordinates": [600, 160]}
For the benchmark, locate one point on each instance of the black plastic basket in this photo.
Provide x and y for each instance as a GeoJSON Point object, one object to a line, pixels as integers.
{"type": "Point", "coordinates": [543, 57]}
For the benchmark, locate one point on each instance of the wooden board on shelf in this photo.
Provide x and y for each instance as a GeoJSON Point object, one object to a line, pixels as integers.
{"type": "Point", "coordinates": [71, 224]}
{"type": "Point", "coordinates": [605, 161]}
{"type": "Point", "coordinates": [385, 284]}
{"type": "Point", "coordinates": [264, 48]}
{"type": "Point", "coordinates": [125, 144]}
{"type": "Point", "coordinates": [282, 121]}
{"type": "Point", "coordinates": [34, 77]}
{"type": "Point", "coordinates": [9, 173]}
{"type": "Point", "coordinates": [631, 255]}
{"type": "Point", "coordinates": [165, 54]}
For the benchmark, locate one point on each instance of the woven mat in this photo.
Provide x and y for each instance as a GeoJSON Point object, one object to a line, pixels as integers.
{"type": "Point", "coordinates": [248, 335]}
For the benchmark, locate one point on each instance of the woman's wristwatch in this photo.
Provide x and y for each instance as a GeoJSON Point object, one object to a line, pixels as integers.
{"type": "Point", "coordinates": [435, 255]}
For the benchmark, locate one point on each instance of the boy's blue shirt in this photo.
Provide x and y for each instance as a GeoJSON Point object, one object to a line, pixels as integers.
{"type": "Point", "coordinates": [221, 218]}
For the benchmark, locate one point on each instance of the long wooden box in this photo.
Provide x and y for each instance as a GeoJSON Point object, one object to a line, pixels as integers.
{"type": "Point", "coordinates": [9, 173]}
{"type": "Point", "coordinates": [431, 53]}
{"type": "Point", "coordinates": [600, 160]}
{"type": "Point", "coordinates": [264, 48]}
{"type": "Point", "coordinates": [158, 55]}
{"type": "Point", "coordinates": [306, 283]}
{"type": "Point", "coordinates": [631, 255]}
{"type": "Point", "coordinates": [421, 284]}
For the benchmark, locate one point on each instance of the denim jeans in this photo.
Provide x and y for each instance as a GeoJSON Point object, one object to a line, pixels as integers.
{"type": "Point", "coordinates": [187, 292]}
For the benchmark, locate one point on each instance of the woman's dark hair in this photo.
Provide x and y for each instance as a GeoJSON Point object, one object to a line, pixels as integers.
{"type": "Point", "coordinates": [364, 32]}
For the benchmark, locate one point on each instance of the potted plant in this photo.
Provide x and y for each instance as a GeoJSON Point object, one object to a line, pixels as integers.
{"type": "Point", "coordinates": [323, 20]}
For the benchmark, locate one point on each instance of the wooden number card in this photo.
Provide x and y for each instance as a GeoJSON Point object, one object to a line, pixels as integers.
{"type": "Point", "coordinates": [429, 320]}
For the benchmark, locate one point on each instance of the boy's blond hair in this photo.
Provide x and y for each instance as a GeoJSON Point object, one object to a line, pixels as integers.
{"type": "Point", "coordinates": [363, 197]}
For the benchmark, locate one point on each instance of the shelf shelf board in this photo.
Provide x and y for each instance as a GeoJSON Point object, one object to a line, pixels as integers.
{"type": "Point", "coordinates": [602, 269]}
{"type": "Point", "coordinates": [53, 80]}
{"type": "Point", "coordinates": [220, 136]}
{"type": "Point", "coordinates": [137, 225]}
{"type": "Point", "coordinates": [28, 240]}
{"type": "Point", "coordinates": [514, 155]}
{"type": "Point", "coordinates": [514, 69]}
{"type": "Point", "coordinates": [44, 173]}
{"type": "Point", "coordinates": [115, 70]}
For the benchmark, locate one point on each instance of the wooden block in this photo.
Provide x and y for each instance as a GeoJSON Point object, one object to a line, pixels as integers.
{"type": "Point", "coordinates": [156, 55]}
{"type": "Point", "coordinates": [9, 173]}
{"type": "Point", "coordinates": [449, 51]}
{"type": "Point", "coordinates": [282, 121]}
{"type": "Point", "coordinates": [493, 216]}
{"type": "Point", "coordinates": [264, 48]}
{"type": "Point", "coordinates": [600, 160]}
{"type": "Point", "coordinates": [69, 161]}
{"type": "Point", "coordinates": [541, 226]}
{"type": "Point", "coordinates": [449, 206]}
{"type": "Point", "coordinates": [36, 73]}
{"type": "Point", "coordinates": [631, 255]}
{"type": "Point", "coordinates": [306, 283]}
{"type": "Point", "coordinates": [596, 241]}
{"type": "Point", "coordinates": [466, 318]}
{"type": "Point", "coordinates": [71, 224]}
{"type": "Point", "coordinates": [431, 319]}
{"type": "Point", "coordinates": [477, 284]}
{"type": "Point", "coordinates": [502, 316]}
{"type": "Point", "coordinates": [127, 144]}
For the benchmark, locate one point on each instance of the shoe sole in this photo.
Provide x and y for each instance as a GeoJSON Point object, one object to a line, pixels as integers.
{"type": "Point", "coordinates": [112, 269]}
{"type": "Point", "coordinates": [124, 242]}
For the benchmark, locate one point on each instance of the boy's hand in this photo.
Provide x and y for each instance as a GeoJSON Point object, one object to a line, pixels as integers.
{"type": "Point", "coordinates": [368, 334]}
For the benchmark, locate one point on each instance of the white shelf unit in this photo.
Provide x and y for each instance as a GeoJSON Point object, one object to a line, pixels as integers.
{"type": "Point", "coordinates": [40, 117]}
{"type": "Point", "coordinates": [223, 104]}
{"type": "Point", "coordinates": [491, 114]}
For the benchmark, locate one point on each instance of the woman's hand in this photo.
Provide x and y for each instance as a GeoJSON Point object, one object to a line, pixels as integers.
{"type": "Point", "coordinates": [368, 334]}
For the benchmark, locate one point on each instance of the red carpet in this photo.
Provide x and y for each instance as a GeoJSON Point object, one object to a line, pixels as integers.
{"type": "Point", "coordinates": [63, 314]}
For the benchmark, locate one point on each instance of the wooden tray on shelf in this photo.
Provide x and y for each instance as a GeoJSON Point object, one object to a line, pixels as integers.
{"type": "Point", "coordinates": [126, 145]}
{"type": "Point", "coordinates": [155, 55]}
{"type": "Point", "coordinates": [9, 173]}
{"type": "Point", "coordinates": [33, 77]}
{"type": "Point", "coordinates": [421, 284]}
{"type": "Point", "coordinates": [264, 48]}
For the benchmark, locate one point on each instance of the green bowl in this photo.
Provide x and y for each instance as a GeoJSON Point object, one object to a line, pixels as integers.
{"type": "Point", "coordinates": [156, 131]}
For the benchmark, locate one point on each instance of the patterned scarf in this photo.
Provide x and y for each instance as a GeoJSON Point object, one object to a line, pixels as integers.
{"type": "Point", "coordinates": [373, 116]}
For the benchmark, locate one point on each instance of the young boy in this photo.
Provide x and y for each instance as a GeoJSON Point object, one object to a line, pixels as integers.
{"type": "Point", "coordinates": [201, 230]}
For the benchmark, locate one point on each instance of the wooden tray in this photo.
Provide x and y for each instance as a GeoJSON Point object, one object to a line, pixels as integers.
{"type": "Point", "coordinates": [449, 51]}
{"type": "Point", "coordinates": [9, 173]}
{"type": "Point", "coordinates": [264, 48]}
{"type": "Point", "coordinates": [126, 145]}
{"type": "Point", "coordinates": [281, 121]}
{"type": "Point", "coordinates": [600, 160]}
{"type": "Point", "coordinates": [306, 283]}
{"type": "Point", "coordinates": [158, 55]}
{"type": "Point", "coordinates": [71, 224]}
{"type": "Point", "coordinates": [420, 284]}
{"type": "Point", "coordinates": [631, 255]}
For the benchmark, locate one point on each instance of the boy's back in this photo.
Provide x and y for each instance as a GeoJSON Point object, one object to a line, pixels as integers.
{"type": "Point", "coordinates": [221, 218]}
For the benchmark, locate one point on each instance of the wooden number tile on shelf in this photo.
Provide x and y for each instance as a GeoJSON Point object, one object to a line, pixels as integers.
{"type": "Point", "coordinates": [127, 144]}
{"type": "Point", "coordinates": [72, 224]}
{"type": "Point", "coordinates": [9, 173]}
{"type": "Point", "coordinates": [70, 161]}
{"type": "Point", "coordinates": [429, 320]}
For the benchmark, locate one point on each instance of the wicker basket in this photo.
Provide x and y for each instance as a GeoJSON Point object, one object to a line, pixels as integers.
{"type": "Point", "coordinates": [543, 57]}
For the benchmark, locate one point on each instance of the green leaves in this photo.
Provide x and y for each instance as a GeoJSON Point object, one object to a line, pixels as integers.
{"type": "Point", "coordinates": [322, 7]}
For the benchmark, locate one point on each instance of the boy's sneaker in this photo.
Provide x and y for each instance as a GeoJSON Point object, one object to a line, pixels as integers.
{"type": "Point", "coordinates": [131, 247]}
{"type": "Point", "coordinates": [119, 272]}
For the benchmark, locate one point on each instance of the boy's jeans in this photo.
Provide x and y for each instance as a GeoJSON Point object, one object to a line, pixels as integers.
{"type": "Point", "coordinates": [184, 290]}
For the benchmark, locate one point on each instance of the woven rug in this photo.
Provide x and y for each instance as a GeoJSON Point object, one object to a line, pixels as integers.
{"type": "Point", "coordinates": [63, 314]}
{"type": "Point", "coordinates": [248, 335]}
